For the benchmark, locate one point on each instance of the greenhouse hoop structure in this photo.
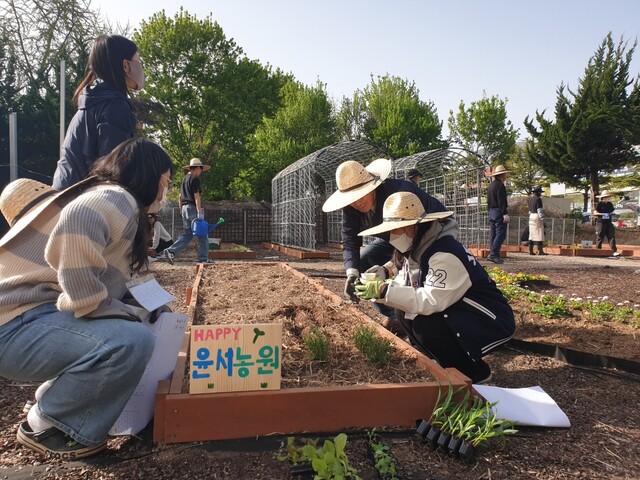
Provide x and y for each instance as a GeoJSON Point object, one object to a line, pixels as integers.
{"type": "Point", "coordinates": [450, 175]}
{"type": "Point", "coordinates": [299, 191]}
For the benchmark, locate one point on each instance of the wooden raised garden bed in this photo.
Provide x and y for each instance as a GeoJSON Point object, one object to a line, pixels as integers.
{"type": "Point", "coordinates": [299, 406]}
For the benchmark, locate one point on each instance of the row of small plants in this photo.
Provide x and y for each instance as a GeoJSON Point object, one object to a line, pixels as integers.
{"type": "Point", "coordinates": [460, 428]}
{"type": "Point", "coordinates": [376, 349]}
{"type": "Point", "coordinates": [551, 306]}
{"type": "Point", "coordinates": [328, 460]}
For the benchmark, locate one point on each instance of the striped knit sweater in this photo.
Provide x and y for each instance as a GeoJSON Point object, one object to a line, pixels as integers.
{"type": "Point", "coordinates": [74, 256]}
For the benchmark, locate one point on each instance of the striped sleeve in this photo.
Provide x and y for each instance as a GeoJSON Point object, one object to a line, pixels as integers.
{"type": "Point", "coordinates": [90, 247]}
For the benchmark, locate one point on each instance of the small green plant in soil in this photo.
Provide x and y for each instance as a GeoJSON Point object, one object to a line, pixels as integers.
{"type": "Point", "coordinates": [384, 462]}
{"type": "Point", "coordinates": [240, 248]}
{"type": "Point", "coordinates": [376, 349]}
{"type": "Point", "coordinates": [317, 344]}
{"type": "Point", "coordinates": [552, 307]}
{"type": "Point", "coordinates": [329, 461]}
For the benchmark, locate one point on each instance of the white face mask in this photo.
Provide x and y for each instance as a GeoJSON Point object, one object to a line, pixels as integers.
{"type": "Point", "coordinates": [401, 242]}
{"type": "Point", "coordinates": [136, 74]}
{"type": "Point", "coordinates": [158, 205]}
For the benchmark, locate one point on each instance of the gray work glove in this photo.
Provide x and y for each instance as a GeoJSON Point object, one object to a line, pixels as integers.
{"type": "Point", "coordinates": [114, 308]}
{"type": "Point", "coordinates": [350, 288]}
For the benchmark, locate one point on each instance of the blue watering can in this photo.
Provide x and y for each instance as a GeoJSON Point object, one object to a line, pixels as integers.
{"type": "Point", "coordinates": [202, 229]}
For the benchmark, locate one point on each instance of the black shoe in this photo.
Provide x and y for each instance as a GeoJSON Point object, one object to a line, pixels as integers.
{"type": "Point", "coordinates": [54, 443]}
{"type": "Point", "coordinates": [208, 260]}
{"type": "Point", "coordinates": [479, 373]}
{"type": "Point", "coordinates": [168, 255]}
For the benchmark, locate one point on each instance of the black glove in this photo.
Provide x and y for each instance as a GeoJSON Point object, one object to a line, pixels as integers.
{"type": "Point", "coordinates": [350, 288]}
{"type": "Point", "coordinates": [157, 312]}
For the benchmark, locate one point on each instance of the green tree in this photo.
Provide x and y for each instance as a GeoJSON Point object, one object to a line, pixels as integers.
{"type": "Point", "coordinates": [484, 130]}
{"type": "Point", "coordinates": [526, 173]}
{"type": "Point", "coordinates": [301, 126]}
{"type": "Point", "coordinates": [203, 97]}
{"type": "Point", "coordinates": [36, 35]}
{"type": "Point", "coordinates": [596, 126]}
{"type": "Point", "coordinates": [390, 114]}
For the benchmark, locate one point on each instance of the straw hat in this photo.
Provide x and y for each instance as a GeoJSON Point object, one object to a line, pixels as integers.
{"type": "Point", "coordinates": [499, 171]}
{"type": "Point", "coordinates": [196, 162]}
{"type": "Point", "coordinates": [606, 193]}
{"type": "Point", "coordinates": [24, 199]}
{"type": "Point", "coordinates": [402, 209]}
{"type": "Point", "coordinates": [354, 181]}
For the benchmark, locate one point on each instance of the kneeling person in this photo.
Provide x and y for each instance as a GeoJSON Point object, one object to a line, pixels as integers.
{"type": "Point", "coordinates": [453, 310]}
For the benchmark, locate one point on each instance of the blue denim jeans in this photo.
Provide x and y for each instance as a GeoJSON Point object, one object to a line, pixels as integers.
{"type": "Point", "coordinates": [189, 214]}
{"type": "Point", "coordinates": [98, 364]}
{"type": "Point", "coordinates": [378, 252]}
{"type": "Point", "coordinates": [497, 231]}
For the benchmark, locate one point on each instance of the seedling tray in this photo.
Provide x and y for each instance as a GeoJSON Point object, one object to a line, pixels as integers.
{"type": "Point", "coordinates": [182, 417]}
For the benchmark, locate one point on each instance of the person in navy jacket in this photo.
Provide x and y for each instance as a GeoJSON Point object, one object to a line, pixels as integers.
{"type": "Point", "coordinates": [104, 118]}
{"type": "Point", "coordinates": [453, 310]}
{"type": "Point", "coordinates": [361, 194]}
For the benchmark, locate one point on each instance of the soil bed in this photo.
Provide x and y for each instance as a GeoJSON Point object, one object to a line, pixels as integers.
{"type": "Point", "coordinates": [602, 443]}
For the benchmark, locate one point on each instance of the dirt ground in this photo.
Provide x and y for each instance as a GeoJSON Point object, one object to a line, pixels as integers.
{"type": "Point", "coordinates": [603, 441]}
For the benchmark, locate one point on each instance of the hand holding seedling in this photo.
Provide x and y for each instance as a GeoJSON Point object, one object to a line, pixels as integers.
{"type": "Point", "coordinates": [350, 288]}
{"type": "Point", "coordinates": [371, 290]}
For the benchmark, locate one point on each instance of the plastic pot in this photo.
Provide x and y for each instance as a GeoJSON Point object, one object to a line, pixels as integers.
{"type": "Point", "coordinates": [423, 428]}
{"type": "Point", "coordinates": [432, 436]}
{"type": "Point", "coordinates": [443, 441]}
{"type": "Point", "coordinates": [454, 445]}
{"type": "Point", "coordinates": [303, 468]}
{"type": "Point", "coordinates": [466, 451]}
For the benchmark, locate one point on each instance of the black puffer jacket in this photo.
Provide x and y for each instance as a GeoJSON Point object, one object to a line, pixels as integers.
{"type": "Point", "coordinates": [103, 121]}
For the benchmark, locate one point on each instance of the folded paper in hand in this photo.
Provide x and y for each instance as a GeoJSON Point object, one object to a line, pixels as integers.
{"type": "Point", "coordinates": [530, 406]}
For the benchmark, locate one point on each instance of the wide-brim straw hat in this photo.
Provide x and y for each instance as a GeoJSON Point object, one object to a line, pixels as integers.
{"type": "Point", "coordinates": [196, 162]}
{"type": "Point", "coordinates": [402, 209]}
{"type": "Point", "coordinates": [499, 170]}
{"type": "Point", "coordinates": [606, 193]}
{"type": "Point", "coordinates": [24, 199]}
{"type": "Point", "coordinates": [354, 181]}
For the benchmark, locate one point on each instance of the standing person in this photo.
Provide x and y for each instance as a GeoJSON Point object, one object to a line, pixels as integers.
{"type": "Point", "coordinates": [415, 176]}
{"type": "Point", "coordinates": [604, 222]}
{"type": "Point", "coordinates": [64, 266]}
{"type": "Point", "coordinates": [190, 207]}
{"type": "Point", "coordinates": [453, 311]}
{"type": "Point", "coordinates": [104, 118]}
{"type": "Point", "coordinates": [160, 238]}
{"type": "Point", "coordinates": [498, 217]}
{"type": "Point", "coordinates": [361, 194]}
{"type": "Point", "coordinates": [536, 224]}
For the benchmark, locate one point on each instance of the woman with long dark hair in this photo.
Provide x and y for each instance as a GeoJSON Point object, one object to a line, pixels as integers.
{"type": "Point", "coordinates": [64, 266]}
{"type": "Point", "coordinates": [104, 118]}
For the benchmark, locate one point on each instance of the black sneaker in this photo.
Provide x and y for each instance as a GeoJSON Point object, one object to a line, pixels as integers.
{"type": "Point", "coordinates": [168, 255]}
{"type": "Point", "coordinates": [54, 443]}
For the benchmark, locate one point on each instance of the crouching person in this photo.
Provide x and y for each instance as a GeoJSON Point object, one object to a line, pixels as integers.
{"type": "Point", "coordinates": [453, 311]}
{"type": "Point", "coordinates": [64, 265]}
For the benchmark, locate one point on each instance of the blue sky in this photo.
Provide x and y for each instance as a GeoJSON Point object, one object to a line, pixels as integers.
{"type": "Point", "coordinates": [453, 50]}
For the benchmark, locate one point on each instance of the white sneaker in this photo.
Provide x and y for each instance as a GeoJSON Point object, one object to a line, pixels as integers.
{"type": "Point", "coordinates": [616, 254]}
{"type": "Point", "coordinates": [168, 255]}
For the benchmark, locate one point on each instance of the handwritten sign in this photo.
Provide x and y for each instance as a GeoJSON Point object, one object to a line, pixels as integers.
{"type": "Point", "coordinates": [235, 358]}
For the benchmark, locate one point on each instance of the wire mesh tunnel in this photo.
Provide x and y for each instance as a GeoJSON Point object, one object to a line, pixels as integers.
{"type": "Point", "coordinates": [299, 191]}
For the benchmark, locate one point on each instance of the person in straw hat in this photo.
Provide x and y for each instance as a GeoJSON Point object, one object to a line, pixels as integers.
{"type": "Point", "coordinates": [498, 217]}
{"type": "Point", "coordinates": [604, 222]}
{"type": "Point", "coordinates": [64, 266]}
{"type": "Point", "coordinates": [536, 224]}
{"type": "Point", "coordinates": [361, 194]}
{"type": "Point", "coordinates": [191, 208]}
{"type": "Point", "coordinates": [453, 311]}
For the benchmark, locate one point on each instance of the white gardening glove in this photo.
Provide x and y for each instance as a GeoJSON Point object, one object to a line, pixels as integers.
{"type": "Point", "coordinates": [114, 308]}
{"type": "Point", "coordinates": [379, 271]}
{"type": "Point", "coordinates": [505, 219]}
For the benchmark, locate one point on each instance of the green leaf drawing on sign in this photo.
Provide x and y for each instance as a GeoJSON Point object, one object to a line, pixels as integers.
{"type": "Point", "coordinates": [258, 333]}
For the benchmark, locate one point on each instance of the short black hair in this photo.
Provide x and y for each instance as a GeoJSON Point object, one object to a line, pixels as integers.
{"type": "Point", "coordinates": [414, 172]}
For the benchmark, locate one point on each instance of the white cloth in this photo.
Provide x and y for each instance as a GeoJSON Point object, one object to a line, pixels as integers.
{"type": "Point", "coordinates": [536, 228]}
{"type": "Point", "coordinates": [159, 233]}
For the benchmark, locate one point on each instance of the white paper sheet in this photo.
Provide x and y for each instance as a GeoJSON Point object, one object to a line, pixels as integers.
{"type": "Point", "coordinates": [149, 293]}
{"type": "Point", "coordinates": [530, 406]}
{"type": "Point", "coordinates": [169, 332]}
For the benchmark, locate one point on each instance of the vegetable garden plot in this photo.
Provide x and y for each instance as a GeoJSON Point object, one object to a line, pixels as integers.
{"type": "Point", "coordinates": [344, 391]}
